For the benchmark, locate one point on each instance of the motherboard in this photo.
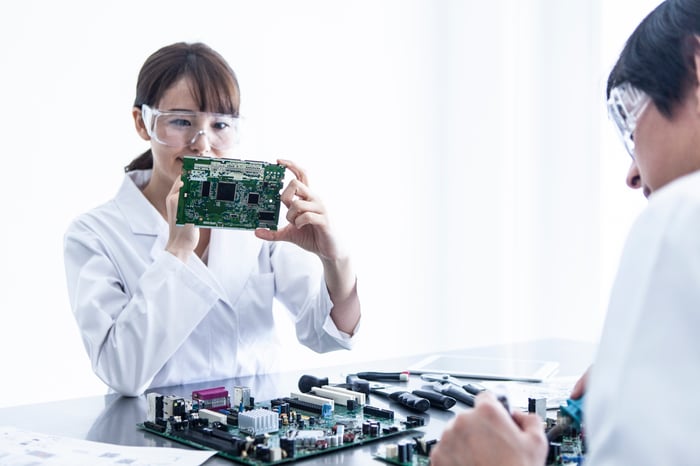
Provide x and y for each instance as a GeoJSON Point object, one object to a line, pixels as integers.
{"type": "Point", "coordinates": [277, 431]}
{"type": "Point", "coordinates": [229, 193]}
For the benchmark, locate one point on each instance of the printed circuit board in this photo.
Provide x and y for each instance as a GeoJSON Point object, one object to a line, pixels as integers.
{"type": "Point", "coordinates": [229, 193]}
{"type": "Point", "coordinates": [273, 432]}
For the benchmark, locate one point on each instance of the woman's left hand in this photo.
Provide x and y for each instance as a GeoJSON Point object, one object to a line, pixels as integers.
{"type": "Point", "coordinates": [308, 226]}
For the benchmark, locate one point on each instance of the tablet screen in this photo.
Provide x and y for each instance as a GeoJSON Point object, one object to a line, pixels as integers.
{"type": "Point", "coordinates": [486, 368]}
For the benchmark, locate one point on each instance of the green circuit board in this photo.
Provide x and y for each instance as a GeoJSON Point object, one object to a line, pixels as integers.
{"type": "Point", "coordinates": [230, 193]}
{"type": "Point", "coordinates": [301, 433]}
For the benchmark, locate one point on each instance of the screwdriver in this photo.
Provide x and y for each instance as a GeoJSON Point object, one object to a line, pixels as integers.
{"type": "Point", "coordinates": [455, 392]}
{"type": "Point", "coordinates": [408, 399]}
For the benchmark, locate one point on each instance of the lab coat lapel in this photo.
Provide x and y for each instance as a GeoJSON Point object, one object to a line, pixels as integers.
{"type": "Point", "coordinates": [233, 257]}
{"type": "Point", "coordinates": [145, 221]}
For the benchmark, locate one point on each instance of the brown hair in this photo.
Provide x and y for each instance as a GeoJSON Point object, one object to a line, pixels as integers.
{"type": "Point", "coordinates": [213, 83]}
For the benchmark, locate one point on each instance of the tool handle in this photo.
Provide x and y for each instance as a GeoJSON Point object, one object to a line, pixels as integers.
{"type": "Point", "coordinates": [400, 376]}
{"type": "Point", "coordinates": [436, 400]}
{"type": "Point", "coordinates": [357, 384]}
{"type": "Point", "coordinates": [411, 401]}
{"type": "Point", "coordinates": [307, 382]}
{"type": "Point", "coordinates": [458, 393]}
{"type": "Point", "coordinates": [474, 389]}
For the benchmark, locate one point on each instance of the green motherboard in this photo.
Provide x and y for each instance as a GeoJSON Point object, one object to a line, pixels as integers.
{"type": "Point", "coordinates": [229, 193]}
{"type": "Point", "coordinates": [274, 432]}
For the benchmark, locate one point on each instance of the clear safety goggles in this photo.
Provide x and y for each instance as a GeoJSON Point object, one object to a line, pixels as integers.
{"type": "Point", "coordinates": [625, 106]}
{"type": "Point", "coordinates": [182, 128]}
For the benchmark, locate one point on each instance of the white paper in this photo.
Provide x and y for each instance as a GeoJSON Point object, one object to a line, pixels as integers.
{"type": "Point", "coordinates": [23, 448]}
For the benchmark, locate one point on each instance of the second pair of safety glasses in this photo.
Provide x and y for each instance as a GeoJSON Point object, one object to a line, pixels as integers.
{"type": "Point", "coordinates": [625, 106]}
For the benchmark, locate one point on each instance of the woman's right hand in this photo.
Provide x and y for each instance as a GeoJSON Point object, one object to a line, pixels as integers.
{"type": "Point", "coordinates": [183, 238]}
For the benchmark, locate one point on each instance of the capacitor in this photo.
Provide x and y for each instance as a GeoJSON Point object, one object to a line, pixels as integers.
{"type": "Point", "coordinates": [365, 428]}
{"type": "Point", "coordinates": [402, 452]}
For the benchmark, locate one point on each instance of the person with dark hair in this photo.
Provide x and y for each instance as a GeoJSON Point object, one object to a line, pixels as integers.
{"type": "Point", "coordinates": [639, 391]}
{"type": "Point", "coordinates": [159, 304]}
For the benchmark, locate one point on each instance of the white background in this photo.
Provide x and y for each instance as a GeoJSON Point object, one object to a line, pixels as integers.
{"type": "Point", "coordinates": [462, 148]}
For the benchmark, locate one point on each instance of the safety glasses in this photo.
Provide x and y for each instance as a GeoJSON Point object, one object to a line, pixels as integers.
{"type": "Point", "coordinates": [182, 128]}
{"type": "Point", "coordinates": [625, 106]}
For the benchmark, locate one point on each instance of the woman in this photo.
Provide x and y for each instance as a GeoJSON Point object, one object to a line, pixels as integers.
{"type": "Point", "coordinates": [159, 304]}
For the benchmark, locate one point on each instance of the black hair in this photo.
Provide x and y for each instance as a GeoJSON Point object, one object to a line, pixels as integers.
{"type": "Point", "coordinates": [658, 58]}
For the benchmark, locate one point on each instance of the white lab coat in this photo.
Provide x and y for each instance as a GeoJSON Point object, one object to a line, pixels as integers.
{"type": "Point", "coordinates": [641, 404]}
{"type": "Point", "coordinates": [148, 320]}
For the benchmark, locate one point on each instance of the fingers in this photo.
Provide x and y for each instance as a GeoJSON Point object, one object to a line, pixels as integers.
{"type": "Point", "coordinates": [299, 173]}
{"type": "Point", "coordinates": [527, 421]}
{"type": "Point", "coordinates": [533, 430]}
{"type": "Point", "coordinates": [489, 407]}
{"type": "Point", "coordinates": [303, 207]}
{"type": "Point", "coordinates": [171, 200]}
{"type": "Point", "coordinates": [268, 235]}
{"type": "Point", "coordinates": [301, 213]}
{"type": "Point", "coordinates": [295, 189]}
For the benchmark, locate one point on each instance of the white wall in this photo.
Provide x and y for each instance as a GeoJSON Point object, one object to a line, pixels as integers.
{"type": "Point", "coordinates": [455, 142]}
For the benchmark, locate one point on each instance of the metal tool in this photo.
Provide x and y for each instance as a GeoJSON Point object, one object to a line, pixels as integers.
{"type": "Point", "coordinates": [471, 387]}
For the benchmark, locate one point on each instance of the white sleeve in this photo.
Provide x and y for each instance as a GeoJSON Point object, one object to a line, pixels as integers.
{"type": "Point", "coordinates": [129, 329]}
{"type": "Point", "coordinates": [640, 404]}
{"type": "Point", "coordinates": [300, 286]}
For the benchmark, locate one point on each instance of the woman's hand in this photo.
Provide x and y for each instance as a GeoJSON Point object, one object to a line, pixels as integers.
{"type": "Point", "coordinates": [183, 238]}
{"type": "Point", "coordinates": [309, 227]}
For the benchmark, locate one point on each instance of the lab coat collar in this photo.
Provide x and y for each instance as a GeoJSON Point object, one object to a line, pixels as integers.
{"type": "Point", "coordinates": [142, 217]}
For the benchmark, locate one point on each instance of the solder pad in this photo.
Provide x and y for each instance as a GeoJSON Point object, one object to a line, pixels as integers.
{"type": "Point", "coordinates": [229, 193]}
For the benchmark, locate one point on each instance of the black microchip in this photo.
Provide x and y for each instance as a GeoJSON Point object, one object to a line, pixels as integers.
{"type": "Point", "coordinates": [225, 191]}
{"type": "Point", "coordinates": [253, 198]}
{"type": "Point", "coordinates": [206, 186]}
{"type": "Point", "coordinates": [266, 216]}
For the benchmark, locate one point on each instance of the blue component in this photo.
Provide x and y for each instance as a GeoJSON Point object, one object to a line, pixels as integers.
{"type": "Point", "coordinates": [575, 459]}
{"type": "Point", "coordinates": [574, 410]}
{"type": "Point", "coordinates": [326, 411]}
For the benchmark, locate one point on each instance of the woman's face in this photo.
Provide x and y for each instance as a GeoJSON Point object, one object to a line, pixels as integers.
{"type": "Point", "coordinates": [665, 148]}
{"type": "Point", "coordinates": [167, 160]}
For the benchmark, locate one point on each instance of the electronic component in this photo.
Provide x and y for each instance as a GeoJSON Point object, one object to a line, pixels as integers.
{"type": "Point", "coordinates": [258, 421]}
{"type": "Point", "coordinates": [229, 193]}
{"type": "Point", "coordinates": [212, 398]}
{"type": "Point", "coordinates": [211, 416]}
{"type": "Point", "coordinates": [340, 395]}
{"type": "Point", "coordinates": [241, 397]}
{"type": "Point", "coordinates": [276, 431]}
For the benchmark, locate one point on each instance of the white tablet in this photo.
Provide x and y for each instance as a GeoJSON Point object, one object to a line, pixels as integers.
{"type": "Point", "coordinates": [486, 368]}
